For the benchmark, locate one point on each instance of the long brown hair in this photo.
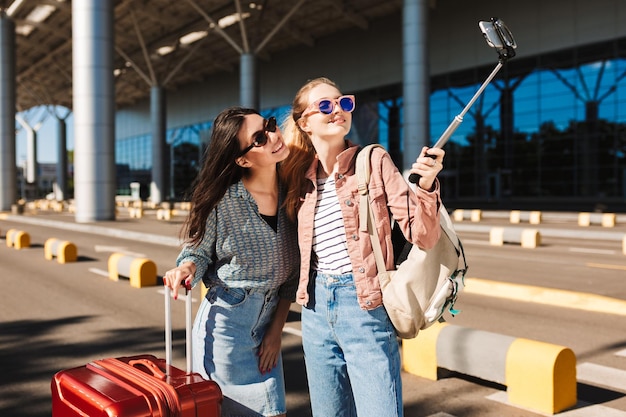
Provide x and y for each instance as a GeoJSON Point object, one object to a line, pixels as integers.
{"type": "Point", "coordinates": [219, 171]}
{"type": "Point", "coordinates": [301, 150]}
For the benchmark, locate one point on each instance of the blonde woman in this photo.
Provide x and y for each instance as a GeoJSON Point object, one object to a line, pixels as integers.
{"type": "Point", "coordinates": [350, 346]}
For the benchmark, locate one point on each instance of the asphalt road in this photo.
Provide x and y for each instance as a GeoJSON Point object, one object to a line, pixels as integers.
{"type": "Point", "coordinates": [56, 316]}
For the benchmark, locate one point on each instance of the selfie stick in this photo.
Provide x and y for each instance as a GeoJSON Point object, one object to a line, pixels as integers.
{"type": "Point", "coordinates": [505, 45]}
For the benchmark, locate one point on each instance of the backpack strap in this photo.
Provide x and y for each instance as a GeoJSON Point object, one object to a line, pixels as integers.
{"type": "Point", "coordinates": [366, 215]}
{"type": "Point", "coordinates": [447, 227]}
{"type": "Point", "coordinates": [362, 171]}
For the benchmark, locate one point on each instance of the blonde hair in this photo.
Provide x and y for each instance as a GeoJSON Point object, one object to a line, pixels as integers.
{"type": "Point", "coordinates": [301, 150]}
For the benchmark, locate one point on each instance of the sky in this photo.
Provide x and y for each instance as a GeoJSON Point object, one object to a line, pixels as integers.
{"type": "Point", "coordinates": [47, 125]}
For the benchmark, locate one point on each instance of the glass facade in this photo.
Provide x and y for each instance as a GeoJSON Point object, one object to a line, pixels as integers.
{"type": "Point", "coordinates": [549, 130]}
{"type": "Point", "coordinates": [184, 152]}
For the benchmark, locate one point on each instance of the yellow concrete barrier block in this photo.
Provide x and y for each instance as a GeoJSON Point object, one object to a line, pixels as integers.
{"type": "Point", "coordinates": [17, 208]}
{"type": "Point", "coordinates": [42, 204]}
{"type": "Point", "coordinates": [608, 220]}
{"type": "Point", "coordinates": [164, 214]}
{"type": "Point", "coordinates": [48, 249]}
{"type": "Point", "coordinates": [518, 216]}
{"type": "Point", "coordinates": [141, 272]}
{"type": "Point", "coordinates": [496, 236]}
{"type": "Point", "coordinates": [135, 212]}
{"type": "Point", "coordinates": [527, 238]}
{"type": "Point", "coordinates": [17, 239]}
{"type": "Point", "coordinates": [419, 355]}
{"type": "Point", "coordinates": [114, 259]}
{"type": "Point", "coordinates": [535, 217]}
{"type": "Point", "coordinates": [8, 237]}
{"type": "Point", "coordinates": [473, 215]}
{"type": "Point", "coordinates": [57, 206]}
{"type": "Point", "coordinates": [584, 219]}
{"type": "Point", "coordinates": [541, 376]}
{"type": "Point", "coordinates": [531, 238]}
{"type": "Point", "coordinates": [21, 240]}
{"type": "Point", "coordinates": [603, 219]}
{"type": "Point", "coordinates": [63, 250]}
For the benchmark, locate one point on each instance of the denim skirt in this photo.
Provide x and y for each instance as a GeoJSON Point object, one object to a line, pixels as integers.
{"type": "Point", "coordinates": [227, 333]}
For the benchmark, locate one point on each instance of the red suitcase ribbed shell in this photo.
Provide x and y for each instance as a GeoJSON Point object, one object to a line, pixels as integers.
{"type": "Point", "coordinates": [133, 390]}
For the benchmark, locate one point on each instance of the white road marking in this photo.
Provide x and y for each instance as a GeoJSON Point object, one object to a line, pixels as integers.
{"type": "Point", "coordinates": [596, 251]}
{"type": "Point", "coordinates": [621, 353]}
{"type": "Point", "coordinates": [602, 375]}
{"type": "Point", "coordinates": [582, 409]}
{"type": "Point", "coordinates": [606, 266]}
{"type": "Point", "coordinates": [99, 272]}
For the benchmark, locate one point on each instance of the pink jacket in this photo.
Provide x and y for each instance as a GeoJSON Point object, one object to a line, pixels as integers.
{"type": "Point", "coordinates": [389, 192]}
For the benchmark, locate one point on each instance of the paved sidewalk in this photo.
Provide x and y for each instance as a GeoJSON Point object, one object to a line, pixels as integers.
{"type": "Point", "coordinates": [167, 232]}
{"type": "Point", "coordinates": [147, 228]}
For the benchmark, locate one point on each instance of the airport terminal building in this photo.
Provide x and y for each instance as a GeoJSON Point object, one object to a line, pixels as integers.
{"type": "Point", "coordinates": [548, 132]}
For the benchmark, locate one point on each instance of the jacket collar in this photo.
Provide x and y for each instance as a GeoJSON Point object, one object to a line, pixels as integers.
{"type": "Point", "coordinates": [345, 159]}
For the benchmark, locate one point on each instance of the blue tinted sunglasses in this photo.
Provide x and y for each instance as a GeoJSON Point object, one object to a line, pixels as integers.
{"type": "Point", "coordinates": [327, 105]}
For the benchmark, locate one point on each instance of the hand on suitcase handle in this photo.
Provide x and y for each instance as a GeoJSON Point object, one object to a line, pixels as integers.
{"type": "Point", "coordinates": [181, 276]}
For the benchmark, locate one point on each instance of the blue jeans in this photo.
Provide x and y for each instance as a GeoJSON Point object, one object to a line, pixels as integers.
{"type": "Point", "coordinates": [352, 355]}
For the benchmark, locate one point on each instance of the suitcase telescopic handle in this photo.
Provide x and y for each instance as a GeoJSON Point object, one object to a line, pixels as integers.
{"type": "Point", "coordinates": [168, 327]}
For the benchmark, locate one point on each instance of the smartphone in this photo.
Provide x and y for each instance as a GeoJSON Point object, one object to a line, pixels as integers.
{"type": "Point", "coordinates": [499, 37]}
{"type": "Point", "coordinates": [490, 34]}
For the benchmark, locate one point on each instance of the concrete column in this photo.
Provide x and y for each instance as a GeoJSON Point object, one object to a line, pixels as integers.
{"type": "Point", "coordinates": [94, 110]}
{"type": "Point", "coordinates": [416, 90]}
{"type": "Point", "coordinates": [31, 155]}
{"type": "Point", "coordinates": [249, 96]}
{"type": "Point", "coordinates": [8, 170]}
{"type": "Point", "coordinates": [157, 109]}
{"type": "Point", "coordinates": [61, 172]}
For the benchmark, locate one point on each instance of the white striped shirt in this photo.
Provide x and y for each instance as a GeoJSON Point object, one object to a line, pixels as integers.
{"type": "Point", "coordinates": [329, 233]}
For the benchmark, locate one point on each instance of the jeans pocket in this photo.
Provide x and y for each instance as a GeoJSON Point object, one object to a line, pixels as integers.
{"type": "Point", "coordinates": [231, 297]}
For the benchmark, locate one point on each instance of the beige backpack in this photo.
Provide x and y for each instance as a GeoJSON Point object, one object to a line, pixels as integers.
{"type": "Point", "coordinates": [427, 283]}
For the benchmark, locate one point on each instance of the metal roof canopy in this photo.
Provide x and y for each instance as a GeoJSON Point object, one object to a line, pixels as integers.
{"type": "Point", "coordinates": [150, 42]}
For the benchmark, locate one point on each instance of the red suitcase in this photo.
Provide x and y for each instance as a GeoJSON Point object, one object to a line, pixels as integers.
{"type": "Point", "coordinates": [142, 385]}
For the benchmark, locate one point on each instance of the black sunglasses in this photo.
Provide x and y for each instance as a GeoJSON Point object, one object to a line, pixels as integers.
{"type": "Point", "coordinates": [260, 137]}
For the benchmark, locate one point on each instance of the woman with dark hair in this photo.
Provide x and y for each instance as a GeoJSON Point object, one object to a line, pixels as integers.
{"type": "Point", "coordinates": [241, 244]}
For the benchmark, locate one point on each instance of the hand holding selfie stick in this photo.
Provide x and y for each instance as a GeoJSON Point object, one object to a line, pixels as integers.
{"type": "Point", "coordinates": [499, 37]}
